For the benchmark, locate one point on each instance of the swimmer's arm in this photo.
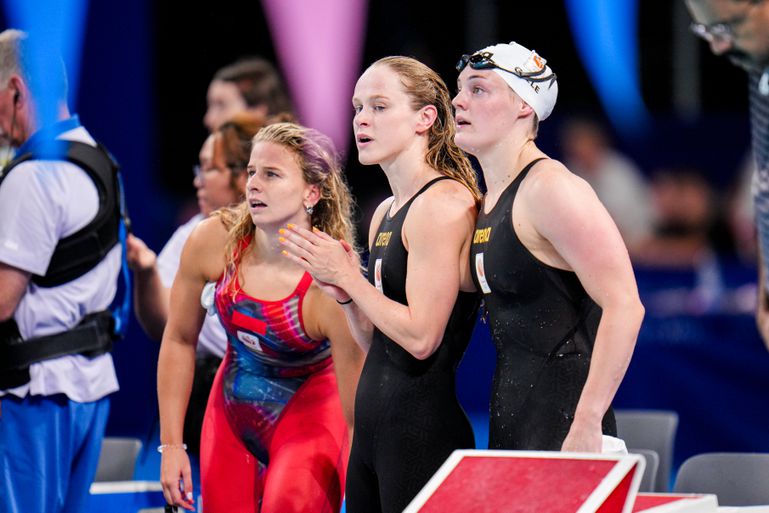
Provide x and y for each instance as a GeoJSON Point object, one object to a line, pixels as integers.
{"type": "Point", "coordinates": [347, 354]}
{"type": "Point", "coordinates": [359, 325]}
{"type": "Point", "coordinates": [437, 229]}
{"type": "Point", "coordinates": [201, 261]}
{"type": "Point", "coordinates": [326, 259]}
{"type": "Point", "coordinates": [567, 213]}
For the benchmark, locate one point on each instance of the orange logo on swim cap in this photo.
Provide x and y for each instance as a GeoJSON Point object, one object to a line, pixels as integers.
{"type": "Point", "coordinates": [534, 62]}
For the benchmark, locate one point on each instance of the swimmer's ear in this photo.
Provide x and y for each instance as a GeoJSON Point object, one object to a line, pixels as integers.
{"type": "Point", "coordinates": [525, 110]}
{"type": "Point", "coordinates": [426, 116]}
{"type": "Point", "coordinates": [312, 194]}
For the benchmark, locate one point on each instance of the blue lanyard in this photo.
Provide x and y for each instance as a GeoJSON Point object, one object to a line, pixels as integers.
{"type": "Point", "coordinates": [122, 311]}
{"type": "Point", "coordinates": [49, 133]}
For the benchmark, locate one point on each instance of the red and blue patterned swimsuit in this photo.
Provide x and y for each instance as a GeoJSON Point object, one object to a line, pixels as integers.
{"type": "Point", "coordinates": [275, 397]}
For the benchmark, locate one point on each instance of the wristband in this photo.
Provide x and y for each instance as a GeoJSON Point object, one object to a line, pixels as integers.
{"type": "Point", "coordinates": [163, 447]}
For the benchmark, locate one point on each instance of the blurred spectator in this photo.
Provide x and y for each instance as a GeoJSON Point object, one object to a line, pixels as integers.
{"type": "Point", "coordinates": [247, 85]}
{"type": "Point", "coordinates": [691, 239]}
{"type": "Point", "coordinates": [686, 222]}
{"type": "Point", "coordinates": [739, 30]}
{"type": "Point", "coordinates": [617, 181]}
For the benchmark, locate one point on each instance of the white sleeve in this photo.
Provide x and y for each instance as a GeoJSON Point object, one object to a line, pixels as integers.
{"type": "Point", "coordinates": [42, 202]}
{"type": "Point", "coordinates": [29, 219]}
{"type": "Point", "coordinates": [171, 254]}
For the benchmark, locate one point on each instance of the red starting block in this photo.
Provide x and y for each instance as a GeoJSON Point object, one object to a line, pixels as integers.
{"type": "Point", "coordinates": [532, 482]}
{"type": "Point", "coordinates": [675, 503]}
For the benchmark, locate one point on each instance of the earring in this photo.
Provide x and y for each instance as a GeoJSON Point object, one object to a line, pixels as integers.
{"type": "Point", "coordinates": [309, 210]}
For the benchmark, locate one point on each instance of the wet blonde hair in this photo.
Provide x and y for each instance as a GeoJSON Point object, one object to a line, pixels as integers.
{"type": "Point", "coordinates": [317, 158]}
{"type": "Point", "coordinates": [425, 87]}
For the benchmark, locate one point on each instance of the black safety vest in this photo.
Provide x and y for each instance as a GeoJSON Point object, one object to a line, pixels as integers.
{"type": "Point", "coordinates": [73, 256]}
{"type": "Point", "coordinates": [79, 252]}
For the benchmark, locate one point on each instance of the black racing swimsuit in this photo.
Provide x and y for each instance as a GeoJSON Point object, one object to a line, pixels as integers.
{"type": "Point", "coordinates": [543, 324]}
{"type": "Point", "coordinates": [407, 417]}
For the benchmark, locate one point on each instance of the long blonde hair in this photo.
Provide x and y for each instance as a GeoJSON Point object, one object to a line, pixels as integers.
{"type": "Point", "coordinates": [317, 158]}
{"type": "Point", "coordinates": [425, 87]}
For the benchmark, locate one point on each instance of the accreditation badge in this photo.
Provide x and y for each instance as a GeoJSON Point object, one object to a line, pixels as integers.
{"type": "Point", "coordinates": [250, 340]}
{"type": "Point", "coordinates": [378, 275]}
{"type": "Point", "coordinates": [480, 273]}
